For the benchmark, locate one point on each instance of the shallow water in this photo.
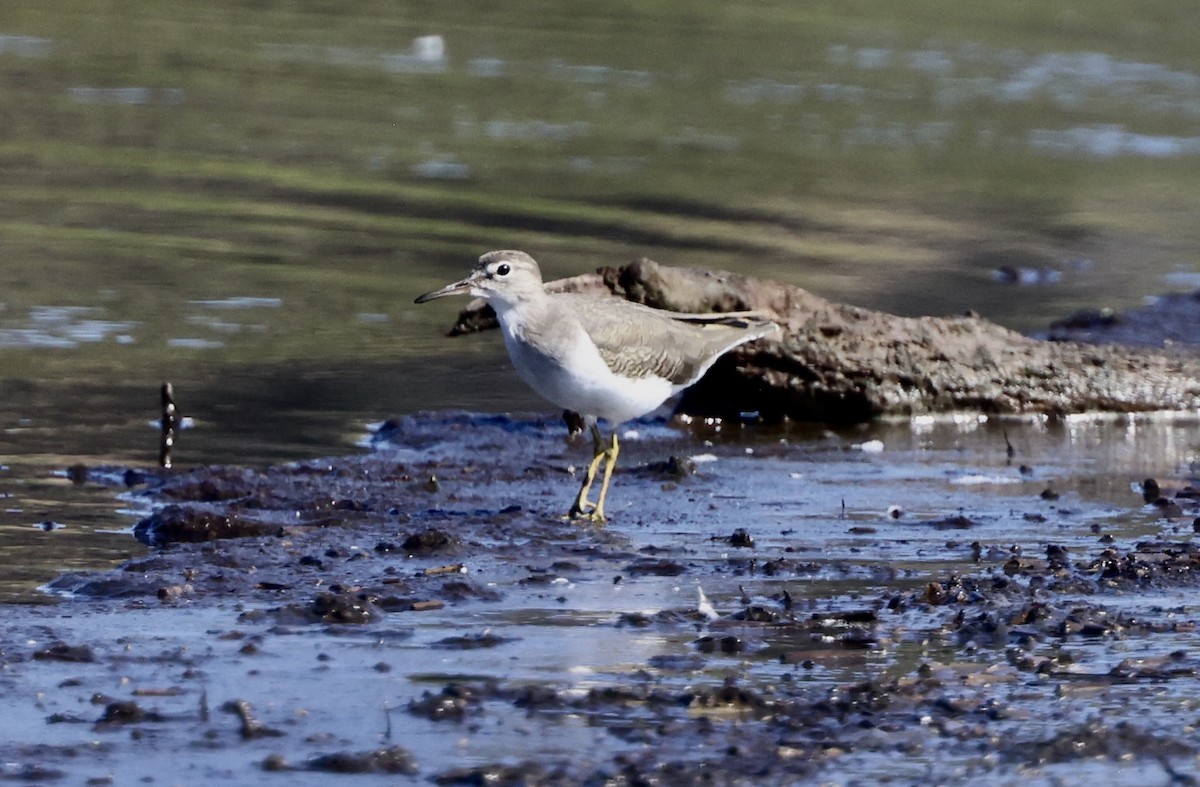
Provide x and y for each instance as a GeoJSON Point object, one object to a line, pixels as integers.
{"type": "Point", "coordinates": [249, 206]}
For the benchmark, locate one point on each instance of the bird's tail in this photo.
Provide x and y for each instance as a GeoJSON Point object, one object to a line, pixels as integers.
{"type": "Point", "coordinates": [757, 324]}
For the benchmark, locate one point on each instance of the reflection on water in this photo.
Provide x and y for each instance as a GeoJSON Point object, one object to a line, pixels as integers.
{"type": "Point", "coordinates": [48, 524]}
{"type": "Point", "coordinates": [427, 55]}
{"type": "Point", "coordinates": [240, 302]}
{"type": "Point", "coordinates": [24, 46]}
{"type": "Point", "coordinates": [63, 327]}
{"type": "Point", "coordinates": [127, 95]}
{"type": "Point", "coordinates": [949, 79]}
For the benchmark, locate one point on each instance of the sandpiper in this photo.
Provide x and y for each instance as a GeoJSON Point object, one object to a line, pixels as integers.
{"type": "Point", "coordinates": [600, 357]}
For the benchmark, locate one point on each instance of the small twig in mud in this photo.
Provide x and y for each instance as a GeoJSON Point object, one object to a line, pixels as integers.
{"type": "Point", "coordinates": [250, 726]}
{"type": "Point", "coordinates": [453, 568]}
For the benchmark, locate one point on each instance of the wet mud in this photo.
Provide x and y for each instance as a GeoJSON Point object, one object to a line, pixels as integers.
{"type": "Point", "coordinates": [783, 605]}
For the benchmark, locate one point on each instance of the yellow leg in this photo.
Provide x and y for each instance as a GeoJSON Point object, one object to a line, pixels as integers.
{"type": "Point", "coordinates": [582, 505]}
{"type": "Point", "coordinates": [597, 514]}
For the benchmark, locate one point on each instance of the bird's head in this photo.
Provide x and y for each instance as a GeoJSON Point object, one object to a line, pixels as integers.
{"type": "Point", "coordinates": [498, 276]}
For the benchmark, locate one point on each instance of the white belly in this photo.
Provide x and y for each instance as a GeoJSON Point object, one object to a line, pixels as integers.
{"type": "Point", "coordinates": [584, 383]}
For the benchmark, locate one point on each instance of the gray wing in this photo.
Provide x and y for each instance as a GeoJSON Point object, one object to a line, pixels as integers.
{"type": "Point", "coordinates": [638, 341]}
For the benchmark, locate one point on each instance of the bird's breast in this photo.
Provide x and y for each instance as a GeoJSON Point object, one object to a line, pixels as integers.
{"type": "Point", "coordinates": [568, 370]}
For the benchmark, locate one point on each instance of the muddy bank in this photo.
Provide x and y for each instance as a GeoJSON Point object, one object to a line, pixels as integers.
{"type": "Point", "coordinates": [844, 364]}
{"type": "Point", "coordinates": [765, 607]}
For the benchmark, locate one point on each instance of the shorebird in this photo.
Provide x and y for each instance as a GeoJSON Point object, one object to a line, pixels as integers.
{"type": "Point", "coordinates": [597, 356]}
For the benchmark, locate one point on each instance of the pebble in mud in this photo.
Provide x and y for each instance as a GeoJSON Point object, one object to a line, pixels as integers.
{"type": "Point", "coordinates": [473, 641]}
{"type": "Point", "coordinates": [462, 590]}
{"type": "Point", "coordinates": [325, 607]}
{"type": "Point", "coordinates": [391, 759]}
{"type": "Point", "coordinates": [342, 608]}
{"type": "Point", "coordinates": [499, 774]}
{"type": "Point", "coordinates": [125, 712]}
{"type": "Point", "coordinates": [650, 566]}
{"type": "Point", "coordinates": [726, 644]}
{"type": "Point", "coordinates": [61, 651]}
{"type": "Point", "coordinates": [175, 523]}
{"type": "Point", "coordinates": [170, 593]}
{"type": "Point", "coordinates": [741, 538]}
{"type": "Point", "coordinates": [1168, 508]}
{"type": "Point", "coordinates": [454, 702]}
{"type": "Point", "coordinates": [956, 522]}
{"type": "Point", "coordinates": [428, 541]}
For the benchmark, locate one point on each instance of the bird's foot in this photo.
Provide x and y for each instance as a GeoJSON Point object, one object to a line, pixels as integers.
{"type": "Point", "coordinates": [589, 513]}
{"type": "Point", "coordinates": [581, 506]}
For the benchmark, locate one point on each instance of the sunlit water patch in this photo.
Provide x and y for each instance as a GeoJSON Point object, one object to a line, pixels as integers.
{"type": "Point", "coordinates": [1074, 82]}
{"type": "Point", "coordinates": [240, 302]}
{"type": "Point", "coordinates": [425, 55]}
{"type": "Point", "coordinates": [26, 46]}
{"type": "Point", "coordinates": [63, 327]}
{"type": "Point", "coordinates": [129, 96]}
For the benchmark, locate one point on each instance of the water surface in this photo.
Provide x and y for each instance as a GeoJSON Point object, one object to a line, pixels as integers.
{"type": "Point", "coordinates": [248, 206]}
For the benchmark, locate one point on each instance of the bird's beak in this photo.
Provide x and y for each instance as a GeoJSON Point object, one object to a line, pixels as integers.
{"type": "Point", "coordinates": [462, 287]}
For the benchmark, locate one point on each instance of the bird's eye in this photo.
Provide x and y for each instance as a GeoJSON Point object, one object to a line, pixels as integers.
{"type": "Point", "coordinates": [502, 269]}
